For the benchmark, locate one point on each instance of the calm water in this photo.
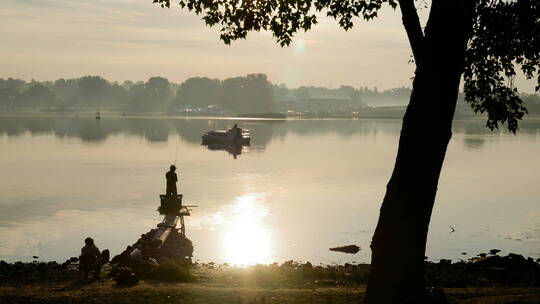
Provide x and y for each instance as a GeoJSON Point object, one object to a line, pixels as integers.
{"type": "Point", "coordinates": [302, 187]}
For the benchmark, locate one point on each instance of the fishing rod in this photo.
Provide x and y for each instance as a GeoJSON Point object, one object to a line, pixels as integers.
{"type": "Point", "coordinates": [176, 153]}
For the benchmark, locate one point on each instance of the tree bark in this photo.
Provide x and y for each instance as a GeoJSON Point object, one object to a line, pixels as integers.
{"type": "Point", "coordinates": [399, 242]}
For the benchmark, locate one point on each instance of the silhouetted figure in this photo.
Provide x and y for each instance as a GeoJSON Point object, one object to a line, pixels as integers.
{"type": "Point", "coordinates": [171, 181]}
{"type": "Point", "coordinates": [236, 131]}
{"type": "Point", "coordinates": [90, 259]}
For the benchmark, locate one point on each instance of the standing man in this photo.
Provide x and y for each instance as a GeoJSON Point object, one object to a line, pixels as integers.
{"type": "Point", "coordinates": [171, 181]}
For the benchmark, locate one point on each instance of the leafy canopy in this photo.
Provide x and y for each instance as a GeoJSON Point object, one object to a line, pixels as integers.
{"type": "Point", "coordinates": [506, 35]}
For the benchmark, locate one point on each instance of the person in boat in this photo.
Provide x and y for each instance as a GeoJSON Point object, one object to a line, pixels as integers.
{"type": "Point", "coordinates": [171, 181]}
{"type": "Point", "coordinates": [90, 259]}
{"type": "Point", "coordinates": [236, 131]}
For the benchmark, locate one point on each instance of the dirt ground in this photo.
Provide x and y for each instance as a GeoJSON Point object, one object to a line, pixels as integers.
{"type": "Point", "coordinates": [106, 291]}
{"type": "Point", "coordinates": [286, 283]}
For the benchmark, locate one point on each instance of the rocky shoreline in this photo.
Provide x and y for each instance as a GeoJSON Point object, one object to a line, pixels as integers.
{"type": "Point", "coordinates": [484, 279]}
{"type": "Point", "coordinates": [483, 270]}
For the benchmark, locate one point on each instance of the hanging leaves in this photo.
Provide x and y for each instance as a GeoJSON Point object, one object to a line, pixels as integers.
{"type": "Point", "coordinates": [506, 36]}
{"type": "Point", "coordinates": [284, 18]}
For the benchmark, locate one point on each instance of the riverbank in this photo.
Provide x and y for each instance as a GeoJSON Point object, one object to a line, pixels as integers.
{"type": "Point", "coordinates": [487, 279]}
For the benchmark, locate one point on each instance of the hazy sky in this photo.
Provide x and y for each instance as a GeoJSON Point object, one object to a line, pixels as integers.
{"type": "Point", "coordinates": [135, 39]}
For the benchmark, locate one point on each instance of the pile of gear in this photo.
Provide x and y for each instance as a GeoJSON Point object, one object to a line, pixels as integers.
{"type": "Point", "coordinates": [145, 255]}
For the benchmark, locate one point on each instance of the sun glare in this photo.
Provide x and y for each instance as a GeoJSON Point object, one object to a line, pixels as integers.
{"type": "Point", "coordinates": [246, 239]}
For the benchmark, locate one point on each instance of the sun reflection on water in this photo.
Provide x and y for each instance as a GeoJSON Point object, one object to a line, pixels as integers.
{"type": "Point", "coordinates": [246, 239]}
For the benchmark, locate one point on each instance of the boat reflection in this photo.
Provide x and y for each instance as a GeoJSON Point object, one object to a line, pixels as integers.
{"type": "Point", "coordinates": [232, 148]}
{"type": "Point", "coordinates": [246, 239]}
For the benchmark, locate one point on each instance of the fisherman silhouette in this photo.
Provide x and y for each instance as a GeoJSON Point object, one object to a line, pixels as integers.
{"type": "Point", "coordinates": [171, 181]}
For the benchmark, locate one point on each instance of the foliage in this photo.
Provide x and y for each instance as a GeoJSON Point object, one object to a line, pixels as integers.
{"type": "Point", "coordinates": [89, 92]}
{"type": "Point", "coordinates": [201, 92]}
{"type": "Point", "coordinates": [505, 34]}
{"type": "Point", "coordinates": [66, 91]}
{"type": "Point", "coordinates": [198, 92]}
{"type": "Point", "coordinates": [253, 93]}
{"type": "Point", "coordinates": [153, 95]}
{"type": "Point", "coordinates": [7, 95]}
{"type": "Point", "coordinates": [35, 96]}
{"type": "Point", "coordinates": [283, 18]}
{"type": "Point", "coordinates": [170, 270]}
{"type": "Point", "coordinates": [92, 90]}
{"type": "Point", "coordinates": [12, 83]}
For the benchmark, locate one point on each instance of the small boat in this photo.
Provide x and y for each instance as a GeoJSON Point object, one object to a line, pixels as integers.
{"type": "Point", "coordinates": [240, 136]}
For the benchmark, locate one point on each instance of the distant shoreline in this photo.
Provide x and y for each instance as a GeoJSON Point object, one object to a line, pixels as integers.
{"type": "Point", "coordinates": [264, 116]}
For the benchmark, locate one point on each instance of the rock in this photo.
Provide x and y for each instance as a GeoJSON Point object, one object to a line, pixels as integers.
{"type": "Point", "coordinates": [288, 264]}
{"type": "Point", "coordinates": [105, 256]}
{"type": "Point", "coordinates": [445, 262]}
{"type": "Point", "coordinates": [490, 261]}
{"type": "Point", "coordinates": [124, 276]}
{"type": "Point", "coordinates": [127, 278]}
{"type": "Point", "coordinates": [352, 249]}
{"type": "Point", "coordinates": [494, 251]}
{"type": "Point", "coordinates": [177, 246]}
{"type": "Point", "coordinates": [436, 295]}
{"type": "Point", "coordinates": [516, 261]}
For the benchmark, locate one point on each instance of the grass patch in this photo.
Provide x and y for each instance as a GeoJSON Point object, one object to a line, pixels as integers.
{"type": "Point", "coordinates": [288, 274]}
{"type": "Point", "coordinates": [170, 270]}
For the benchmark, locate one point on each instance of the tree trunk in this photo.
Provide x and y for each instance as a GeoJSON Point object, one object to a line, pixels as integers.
{"type": "Point", "coordinates": [399, 242]}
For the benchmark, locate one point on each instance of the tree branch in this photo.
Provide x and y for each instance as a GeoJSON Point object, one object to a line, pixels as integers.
{"type": "Point", "coordinates": [411, 22]}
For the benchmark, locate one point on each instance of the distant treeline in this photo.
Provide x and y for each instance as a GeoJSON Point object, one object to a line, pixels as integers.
{"type": "Point", "coordinates": [252, 93]}
{"type": "Point", "coordinates": [249, 94]}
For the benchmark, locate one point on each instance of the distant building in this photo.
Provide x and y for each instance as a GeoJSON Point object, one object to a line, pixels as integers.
{"type": "Point", "coordinates": [319, 100]}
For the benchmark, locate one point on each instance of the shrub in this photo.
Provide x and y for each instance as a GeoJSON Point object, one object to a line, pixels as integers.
{"type": "Point", "coordinates": [170, 270]}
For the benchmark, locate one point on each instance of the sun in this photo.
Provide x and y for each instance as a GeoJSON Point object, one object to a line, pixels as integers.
{"type": "Point", "coordinates": [246, 239]}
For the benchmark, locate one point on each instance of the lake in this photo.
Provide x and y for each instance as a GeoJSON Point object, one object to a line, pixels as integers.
{"type": "Point", "coordinates": [301, 187]}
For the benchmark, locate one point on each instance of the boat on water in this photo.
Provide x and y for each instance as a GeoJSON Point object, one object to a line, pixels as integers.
{"type": "Point", "coordinates": [234, 135]}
